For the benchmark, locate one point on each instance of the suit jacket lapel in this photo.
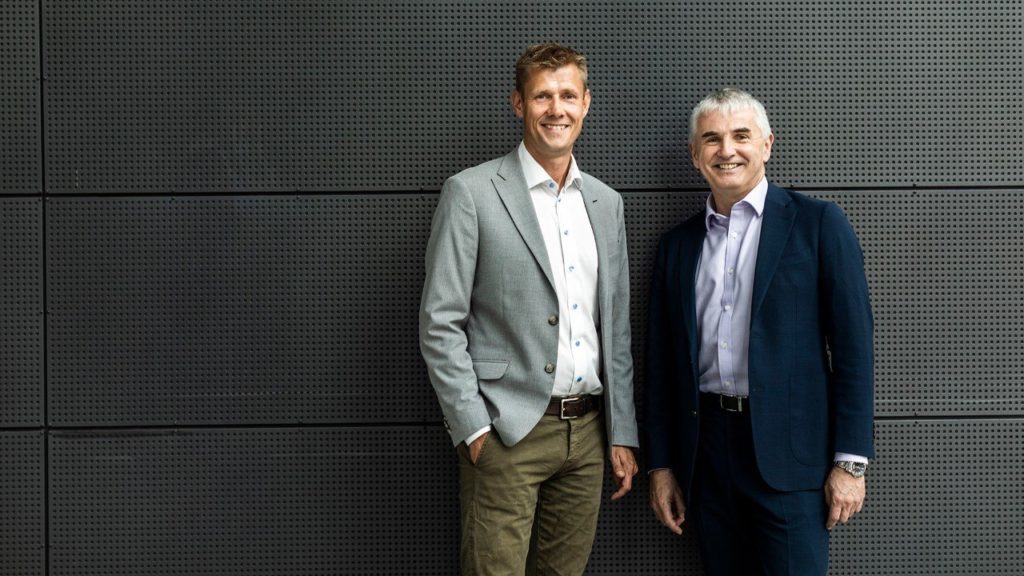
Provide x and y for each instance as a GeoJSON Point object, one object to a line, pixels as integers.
{"type": "Point", "coordinates": [511, 187]}
{"type": "Point", "coordinates": [779, 215]}
{"type": "Point", "coordinates": [602, 228]}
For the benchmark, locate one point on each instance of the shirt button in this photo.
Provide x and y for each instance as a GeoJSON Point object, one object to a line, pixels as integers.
{"type": "Point", "coordinates": [728, 307]}
{"type": "Point", "coordinates": [734, 235]}
{"type": "Point", "coordinates": [724, 344]}
{"type": "Point", "coordinates": [566, 232]}
{"type": "Point", "coordinates": [577, 343]}
{"type": "Point", "coordinates": [551, 184]}
{"type": "Point", "coordinates": [575, 306]}
{"type": "Point", "coordinates": [579, 378]}
{"type": "Point", "coordinates": [732, 270]}
{"type": "Point", "coordinates": [571, 268]}
{"type": "Point", "coordinates": [549, 367]}
{"type": "Point", "coordinates": [553, 320]}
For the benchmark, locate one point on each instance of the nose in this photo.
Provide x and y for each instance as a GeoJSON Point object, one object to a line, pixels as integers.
{"type": "Point", "coordinates": [728, 148]}
{"type": "Point", "coordinates": [555, 106]}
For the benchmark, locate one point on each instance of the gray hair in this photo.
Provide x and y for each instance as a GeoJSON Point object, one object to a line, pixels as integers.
{"type": "Point", "coordinates": [726, 101]}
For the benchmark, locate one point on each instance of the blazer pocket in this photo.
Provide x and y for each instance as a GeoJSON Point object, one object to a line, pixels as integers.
{"type": "Point", "coordinates": [490, 369]}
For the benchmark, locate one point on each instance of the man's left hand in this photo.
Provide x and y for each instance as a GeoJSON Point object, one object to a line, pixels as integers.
{"type": "Point", "coordinates": [844, 496]}
{"type": "Point", "coordinates": [623, 469]}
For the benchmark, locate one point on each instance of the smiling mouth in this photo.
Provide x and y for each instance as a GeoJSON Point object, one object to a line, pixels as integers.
{"type": "Point", "coordinates": [728, 166]}
{"type": "Point", "coordinates": [555, 127]}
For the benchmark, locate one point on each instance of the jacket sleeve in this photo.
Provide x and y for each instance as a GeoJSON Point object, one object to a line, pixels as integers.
{"type": "Point", "coordinates": [451, 258]}
{"type": "Point", "coordinates": [624, 432]}
{"type": "Point", "coordinates": [848, 328]}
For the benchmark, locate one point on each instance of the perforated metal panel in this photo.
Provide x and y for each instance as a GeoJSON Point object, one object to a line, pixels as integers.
{"type": "Point", "coordinates": [631, 542]}
{"type": "Point", "coordinates": [247, 96]}
{"type": "Point", "coordinates": [323, 294]}
{"type": "Point", "coordinates": [20, 135]}
{"type": "Point", "coordinates": [254, 502]}
{"type": "Point", "coordinates": [236, 310]}
{"type": "Point", "coordinates": [872, 93]}
{"type": "Point", "coordinates": [22, 504]}
{"type": "Point", "coordinates": [946, 273]}
{"type": "Point", "coordinates": [21, 312]}
{"type": "Point", "coordinates": [944, 497]}
{"type": "Point", "coordinates": [239, 311]}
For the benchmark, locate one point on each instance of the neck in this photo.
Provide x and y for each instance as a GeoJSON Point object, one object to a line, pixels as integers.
{"type": "Point", "coordinates": [558, 171]}
{"type": "Point", "coordinates": [557, 168]}
{"type": "Point", "coordinates": [723, 201]}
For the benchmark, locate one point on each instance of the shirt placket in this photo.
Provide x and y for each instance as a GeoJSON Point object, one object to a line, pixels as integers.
{"type": "Point", "coordinates": [573, 283]}
{"type": "Point", "coordinates": [734, 229]}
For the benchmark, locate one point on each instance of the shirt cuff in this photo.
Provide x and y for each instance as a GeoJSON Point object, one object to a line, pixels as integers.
{"type": "Point", "coordinates": [478, 434]}
{"type": "Point", "coordinates": [844, 457]}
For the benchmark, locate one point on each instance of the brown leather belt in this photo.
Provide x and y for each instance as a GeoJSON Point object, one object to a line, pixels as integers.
{"type": "Point", "coordinates": [570, 407]}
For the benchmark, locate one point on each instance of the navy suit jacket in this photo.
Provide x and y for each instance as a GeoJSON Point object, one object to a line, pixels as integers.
{"type": "Point", "coordinates": [811, 361]}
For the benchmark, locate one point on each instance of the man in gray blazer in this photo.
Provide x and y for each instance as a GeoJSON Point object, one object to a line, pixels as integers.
{"type": "Point", "coordinates": [524, 327]}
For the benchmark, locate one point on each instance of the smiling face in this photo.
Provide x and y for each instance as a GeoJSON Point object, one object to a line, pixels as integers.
{"type": "Point", "coordinates": [730, 151]}
{"type": "Point", "coordinates": [552, 105]}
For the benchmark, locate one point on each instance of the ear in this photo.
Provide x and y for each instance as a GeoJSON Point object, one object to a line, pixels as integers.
{"type": "Point", "coordinates": [768, 146]}
{"type": "Point", "coordinates": [694, 151]}
{"type": "Point", "coordinates": [517, 103]}
{"type": "Point", "coordinates": [586, 102]}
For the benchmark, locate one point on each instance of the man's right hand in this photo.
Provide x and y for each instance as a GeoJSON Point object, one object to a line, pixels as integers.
{"type": "Point", "coordinates": [667, 500]}
{"type": "Point", "coordinates": [476, 446]}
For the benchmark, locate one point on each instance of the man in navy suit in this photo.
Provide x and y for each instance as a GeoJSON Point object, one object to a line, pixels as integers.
{"type": "Point", "coordinates": [759, 362]}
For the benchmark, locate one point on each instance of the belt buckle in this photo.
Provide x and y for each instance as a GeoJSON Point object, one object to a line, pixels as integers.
{"type": "Point", "coordinates": [571, 399]}
{"type": "Point", "coordinates": [737, 399]}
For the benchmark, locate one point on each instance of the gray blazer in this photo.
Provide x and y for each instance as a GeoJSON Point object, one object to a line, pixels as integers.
{"type": "Point", "coordinates": [489, 313]}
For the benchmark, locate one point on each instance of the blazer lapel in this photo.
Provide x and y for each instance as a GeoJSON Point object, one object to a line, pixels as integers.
{"type": "Point", "coordinates": [779, 215]}
{"type": "Point", "coordinates": [602, 230]}
{"type": "Point", "coordinates": [511, 187]}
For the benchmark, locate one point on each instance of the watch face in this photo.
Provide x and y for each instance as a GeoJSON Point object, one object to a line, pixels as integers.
{"type": "Point", "coordinates": [855, 468]}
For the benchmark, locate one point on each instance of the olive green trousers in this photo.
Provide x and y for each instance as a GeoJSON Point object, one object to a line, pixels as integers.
{"type": "Point", "coordinates": [532, 508]}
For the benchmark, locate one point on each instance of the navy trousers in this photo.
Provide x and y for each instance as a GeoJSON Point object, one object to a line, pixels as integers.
{"type": "Point", "coordinates": [743, 526]}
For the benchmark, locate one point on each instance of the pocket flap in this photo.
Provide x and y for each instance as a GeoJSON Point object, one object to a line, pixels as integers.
{"type": "Point", "coordinates": [490, 369]}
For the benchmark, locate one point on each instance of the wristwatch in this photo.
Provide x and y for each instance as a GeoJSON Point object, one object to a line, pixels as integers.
{"type": "Point", "coordinates": [856, 469]}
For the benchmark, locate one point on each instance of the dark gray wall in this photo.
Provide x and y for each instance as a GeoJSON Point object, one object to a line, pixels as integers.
{"type": "Point", "coordinates": [212, 219]}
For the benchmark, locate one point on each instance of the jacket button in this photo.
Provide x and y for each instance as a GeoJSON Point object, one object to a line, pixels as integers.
{"type": "Point", "coordinates": [553, 320]}
{"type": "Point", "coordinates": [549, 368]}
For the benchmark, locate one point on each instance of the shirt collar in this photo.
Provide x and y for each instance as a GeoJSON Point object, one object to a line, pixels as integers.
{"type": "Point", "coordinates": [755, 199]}
{"type": "Point", "coordinates": [536, 175]}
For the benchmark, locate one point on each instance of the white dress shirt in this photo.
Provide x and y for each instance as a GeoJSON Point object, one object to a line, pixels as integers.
{"type": "Point", "coordinates": [725, 283]}
{"type": "Point", "coordinates": [572, 255]}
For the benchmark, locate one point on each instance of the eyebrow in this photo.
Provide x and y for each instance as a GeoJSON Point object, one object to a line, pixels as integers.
{"type": "Point", "coordinates": [736, 131]}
